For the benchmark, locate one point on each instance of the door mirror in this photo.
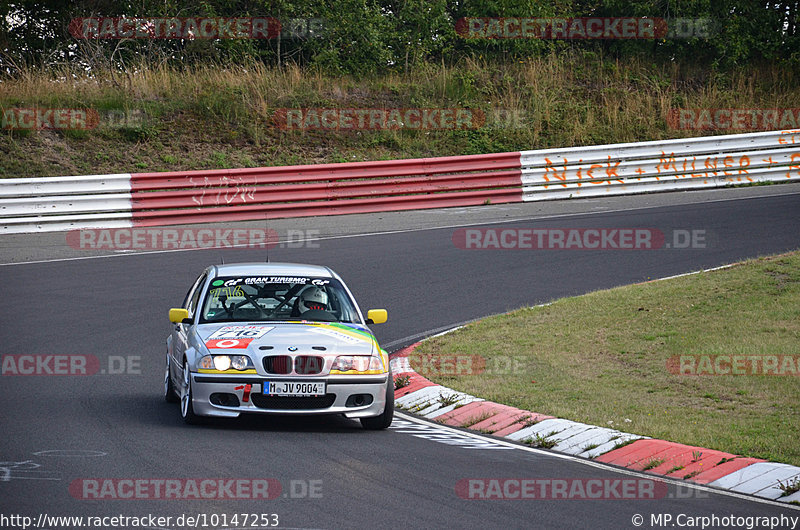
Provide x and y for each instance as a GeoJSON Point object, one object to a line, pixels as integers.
{"type": "Point", "coordinates": [179, 315]}
{"type": "Point", "coordinates": [377, 316]}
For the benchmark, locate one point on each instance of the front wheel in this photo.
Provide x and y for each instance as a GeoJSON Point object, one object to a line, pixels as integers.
{"type": "Point", "coordinates": [383, 421]}
{"type": "Point", "coordinates": [187, 411]}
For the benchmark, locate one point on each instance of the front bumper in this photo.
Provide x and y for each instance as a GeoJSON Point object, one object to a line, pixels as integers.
{"type": "Point", "coordinates": [211, 396]}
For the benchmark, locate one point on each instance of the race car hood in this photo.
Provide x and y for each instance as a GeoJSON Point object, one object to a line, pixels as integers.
{"type": "Point", "coordinates": [319, 338]}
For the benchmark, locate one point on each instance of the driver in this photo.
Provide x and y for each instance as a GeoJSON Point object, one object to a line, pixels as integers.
{"type": "Point", "coordinates": [313, 298]}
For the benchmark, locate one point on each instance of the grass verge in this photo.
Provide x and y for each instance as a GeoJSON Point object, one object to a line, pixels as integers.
{"type": "Point", "coordinates": [611, 358]}
{"type": "Point", "coordinates": [159, 118]}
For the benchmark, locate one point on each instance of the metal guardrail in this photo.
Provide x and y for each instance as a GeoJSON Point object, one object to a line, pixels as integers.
{"type": "Point", "coordinates": [324, 189]}
{"type": "Point", "coordinates": [150, 199]}
{"type": "Point", "coordinates": [643, 167]}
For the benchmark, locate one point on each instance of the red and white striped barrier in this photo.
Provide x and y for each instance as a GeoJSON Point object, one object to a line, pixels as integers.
{"type": "Point", "coordinates": [182, 197]}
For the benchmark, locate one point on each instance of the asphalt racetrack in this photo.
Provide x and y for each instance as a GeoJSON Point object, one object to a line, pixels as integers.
{"type": "Point", "coordinates": [60, 433]}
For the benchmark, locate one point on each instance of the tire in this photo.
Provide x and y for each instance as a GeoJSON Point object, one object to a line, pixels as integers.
{"type": "Point", "coordinates": [378, 423]}
{"type": "Point", "coordinates": [187, 411]}
{"type": "Point", "coordinates": [170, 393]}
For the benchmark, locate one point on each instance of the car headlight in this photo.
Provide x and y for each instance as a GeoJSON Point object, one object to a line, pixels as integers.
{"type": "Point", "coordinates": [239, 362]}
{"type": "Point", "coordinates": [357, 363]}
{"type": "Point", "coordinates": [206, 363]}
{"type": "Point", "coordinates": [222, 363]}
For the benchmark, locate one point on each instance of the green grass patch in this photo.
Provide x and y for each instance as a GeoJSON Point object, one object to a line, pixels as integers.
{"type": "Point", "coordinates": [542, 442]}
{"type": "Point", "coordinates": [477, 419]}
{"type": "Point", "coordinates": [789, 487]}
{"type": "Point", "coordinates": [446, 400]}
{"type": "Point", "coordinates": [653, 463]}
{"type": "Point", "coordinates": [400, 382]}
{"type": "Point", "coordinates": [604, 358]}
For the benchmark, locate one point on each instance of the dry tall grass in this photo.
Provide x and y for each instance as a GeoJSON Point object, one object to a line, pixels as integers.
{"type": "Point", "coordinates": [566, 99]}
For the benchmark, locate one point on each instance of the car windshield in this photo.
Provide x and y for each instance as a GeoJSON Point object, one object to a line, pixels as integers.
{"type": "Point", "coordinates": [262, 298]}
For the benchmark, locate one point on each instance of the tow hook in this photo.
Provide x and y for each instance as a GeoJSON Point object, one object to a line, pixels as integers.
{"type": "Point", "coordinates": [246, 393]}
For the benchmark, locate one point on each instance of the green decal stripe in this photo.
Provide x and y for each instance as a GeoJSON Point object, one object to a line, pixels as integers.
{"type": "Point", "coordinates": [352, 330]}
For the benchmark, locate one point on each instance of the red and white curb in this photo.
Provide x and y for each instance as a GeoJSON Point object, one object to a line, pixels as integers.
{"type": "Point", "coordinates": [703, 466]}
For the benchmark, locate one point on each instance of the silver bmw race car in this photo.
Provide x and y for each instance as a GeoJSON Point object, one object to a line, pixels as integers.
{"type": "Point", "coordinates": [276, 338]}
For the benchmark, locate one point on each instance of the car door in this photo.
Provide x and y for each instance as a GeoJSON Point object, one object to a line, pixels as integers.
{"type": "Point", "coordinates": [180, 331]}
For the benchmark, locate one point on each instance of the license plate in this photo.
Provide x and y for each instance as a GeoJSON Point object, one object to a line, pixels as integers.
{"type": "Point", "coordinates": [294, 388]}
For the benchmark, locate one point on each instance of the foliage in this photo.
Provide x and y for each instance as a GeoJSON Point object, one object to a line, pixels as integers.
{"type": "Point", "coordinates": [364, 37]}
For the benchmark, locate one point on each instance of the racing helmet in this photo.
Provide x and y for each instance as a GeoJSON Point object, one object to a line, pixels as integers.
{"type": "Point", "coordinates": [313, 298]}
